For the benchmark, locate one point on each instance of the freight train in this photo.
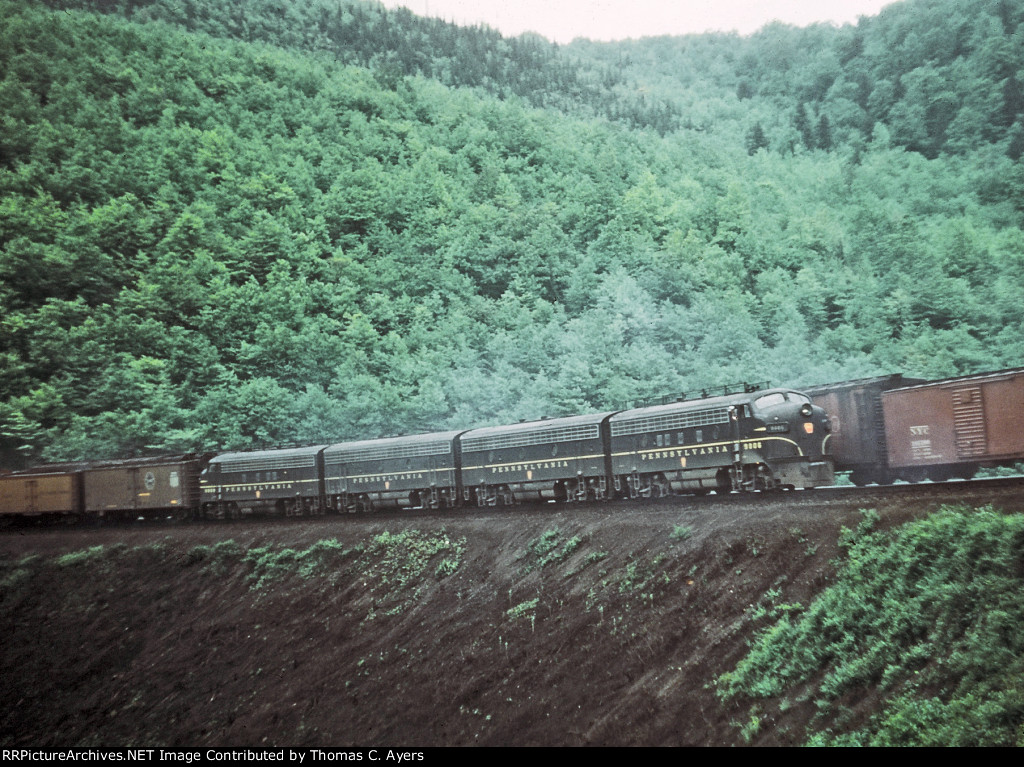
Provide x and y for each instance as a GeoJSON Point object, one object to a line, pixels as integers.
{"type": "Point", "coordinates": [745, 439]}
{"type": "Point", "coordinates": [890, 427]}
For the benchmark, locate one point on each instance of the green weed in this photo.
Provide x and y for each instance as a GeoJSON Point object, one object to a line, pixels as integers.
{"type": "Point", "coordinates": [590, 559]}
{"type": "Point", "coordinates": [269, 564]}
{"type": "Point", "coordinates": [91, 555]}
{"type": "Point", "coordinates": [548, 549]}
{"type": "Point", "coordinates": [523, 609]}
{"type": "Point", "coordinates": [928, 616]}
{"type": "Point", "coordinates": [640, 576]}
{"type": "Point", "coordinates": [396, 565]}
{"type": "Point", "coordinates": [681, 533]}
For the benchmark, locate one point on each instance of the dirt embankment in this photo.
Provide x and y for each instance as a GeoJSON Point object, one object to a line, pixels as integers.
{"type": "Point", "coordinates": [602, 627]}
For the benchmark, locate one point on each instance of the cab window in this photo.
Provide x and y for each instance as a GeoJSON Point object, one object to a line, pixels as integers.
{"type": "Point", "coordinates": [769, 400]}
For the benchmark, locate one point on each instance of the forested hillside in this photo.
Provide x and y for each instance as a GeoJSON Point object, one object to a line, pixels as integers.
{"type": "Point", "coordinates": [227, 224]}
{"type": "Point", "coordinates": [397, 43]}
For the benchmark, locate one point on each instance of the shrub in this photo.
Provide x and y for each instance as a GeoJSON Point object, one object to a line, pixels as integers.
{"type": "Point", "coordinates": [930, 616]}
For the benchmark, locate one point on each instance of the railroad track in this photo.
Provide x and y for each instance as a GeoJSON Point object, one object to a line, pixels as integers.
{"type": "Point", "coordinates": [1002, 492]}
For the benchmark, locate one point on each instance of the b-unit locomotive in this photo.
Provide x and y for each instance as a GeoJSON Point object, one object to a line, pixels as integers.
{"type": "Point", "coordinates": [749, 440]}
{"type": "Point", "coordinates": [561, 459]}
{"type": "Point", "coordinates": [288, 481]}
{"type": "Point", "coordinates": [419, 470]}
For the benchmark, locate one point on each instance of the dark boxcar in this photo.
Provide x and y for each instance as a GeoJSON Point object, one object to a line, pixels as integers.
{"type": "Point", "coordinates": [562, 459]}
{"type": "Point", "coordinates": [857, 439]}
{"type": "Point", "coordinates": [419, 471]}
{"type": "Point", "coordinates": [41, 493]}
{"type": "Point", "coordinates": [288, 481]}
{"type": "Point", "coordinates": [948, 428]}
{"type": "Point", "coordinates": [748, 441]}
{"type": "Point", "coordinates": [147, 486]}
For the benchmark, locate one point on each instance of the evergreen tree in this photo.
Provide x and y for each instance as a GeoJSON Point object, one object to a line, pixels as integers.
{"type": "Point", "coordinates": [756, 139]}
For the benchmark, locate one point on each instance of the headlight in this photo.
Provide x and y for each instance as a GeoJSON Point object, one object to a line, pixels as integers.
{"type": "Point", "coordinates": [806, 410]}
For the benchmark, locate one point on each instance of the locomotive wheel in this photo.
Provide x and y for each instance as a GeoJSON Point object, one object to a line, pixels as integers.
{"type": "Point", "coordinates": [559, 492]}
{"type": "Point", "coordinates": [723, 482]}
{"type": "Point", "coordinates": [663, 486]}
{"type": "Point", "coordinates": [762, 480]}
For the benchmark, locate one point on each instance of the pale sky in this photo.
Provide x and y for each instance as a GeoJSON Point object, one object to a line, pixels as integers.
{"type": "Point", "coordinates": [563, 20]}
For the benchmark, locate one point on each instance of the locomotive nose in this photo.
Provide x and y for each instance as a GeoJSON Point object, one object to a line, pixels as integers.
{"type": "Point", "coordinates": [807, 411]}
{"type": "Point", "coordinates": [795, 417]}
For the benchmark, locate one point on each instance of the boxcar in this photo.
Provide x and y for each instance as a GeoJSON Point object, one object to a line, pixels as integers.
{"type": "Point", "coordinates": [414, 471]}
{"type": "Point", "coordinates": [41, 493]}
{"type": "Point", "coordinates": [288, 481]}
{"type": "Point", "coordinates": [857, 439]}
{"type": "Point", "coordinates": [561, 459]}
{"type": "Point", "coordinates": [949, 428]}
{"type": "Point", "coordinates": [143, 487]}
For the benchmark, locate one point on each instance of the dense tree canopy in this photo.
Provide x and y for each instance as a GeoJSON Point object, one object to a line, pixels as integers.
{"type": "Point", "coordinates": [228, 225]}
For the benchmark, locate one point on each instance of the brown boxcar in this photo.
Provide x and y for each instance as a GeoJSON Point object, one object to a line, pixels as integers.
{"type": "Point", "coordinates": [41, 493]}
{"type": "Point", "coordinates": [949, 428]}
{"type": "Point", "coordinates": [857, 440]}
{"type": "Point", "coordinates": [146, 486]}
